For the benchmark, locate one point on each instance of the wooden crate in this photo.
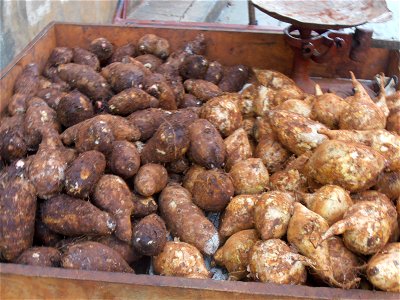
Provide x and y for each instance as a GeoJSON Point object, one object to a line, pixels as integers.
{"type": "Point", "coordinates": [229, 44]}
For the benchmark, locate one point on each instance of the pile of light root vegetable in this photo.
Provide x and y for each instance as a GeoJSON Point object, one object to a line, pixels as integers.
{"type": "Point", "coordinates": [115, 155]}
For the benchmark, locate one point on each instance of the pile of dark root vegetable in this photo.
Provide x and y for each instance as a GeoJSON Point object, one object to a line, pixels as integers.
{"type": "Point", "coordinates": [114, 159]}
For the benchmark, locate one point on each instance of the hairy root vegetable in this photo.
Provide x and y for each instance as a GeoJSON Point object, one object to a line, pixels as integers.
{"type": "Point", "coordinates": [272, 154]}
{"type": "Point", "coordinates": [120, 52]}
{"type": "Point", "coordinates": [300, 107]}
{"type": "Point", "coordinates": [262, 129]}
{"type": "Point", "coordinates": [125, 249]}
{"type": "Point", "coordinates": [214, 72]}
{"type": "Point", "coordinates": [124, 159]}
{"type": "Point", "coordinates": [124, 75]}
{"type": "Point", "coordinates": [383, 269]}
{"type": "Point", "coordinates": [189, 100]}
{"type": "Point", "coordinates": [40, 256]}
{"type": "Point", "coordinates": [389, 184]}
{"type": "Point", "coordinates": [112, 195]}
{"type": "Point", "coordinates": [153, 44]}
{"type": "Point", "coordinates": [180, 166]}
{"type": "Point", "coordinates": [288, 181]}
{"type": "Point", "coordinates": [148, 121]}
{"type": "Point", "coordinates": [273, 261]}
{"type": "Point", "coordinates": [330, 202]}
{"type": "Point", "coordinates": [212, 190]}
{"type": "Point", "coordinates": [102, 48]}
{"type": "Point", "coordinates": [352, 166]}
{"type": "Point", "coordinates": [249, 176]}
{"type": "Point", "coordinates": [186, 220]}
{"type": "Point", "coordinates": [150, 61]}
{"type": "Point", "coordinates": [181, 260]}
{"type": "Point", "coordinates": [272, 213]}
{"type": "Point", "coordinates": [234, 78]}
{"type": "Point", "coordinates": [237, 147]}
{"type": "Point", "coordinates": [193, 67]}
{"type": "Point", "coordinates": [143, 206]}
{"type": "Point", "coordinates": [73, 108]}
{"type": "Point", "coordinates": [131, 100]}
{"type": "Point", "coordinates": [234, 254]}
{"type": "Point", "coordinates": [27, 83]}
{"type": "Point", "coordinates": [191, 175]}
{"type": "Point", "coordinates": [150, 179]}
{"type": "Point", "coordinates": [202, 89]}
{"type": "Point", "coordinates": [157, 86]}
{"type": "Point", "coordinates": [52, 96]}
{"type": "Point", "coordinates": [85, 57]}
{"type": "Point", "coordinates": [94, 256]}
{"type": "Point", "coordinates": [17, 104]}
{"type": "Point", "coordinates": [44, 235]}
{"type": "Point", "coordinates": [12, 140]}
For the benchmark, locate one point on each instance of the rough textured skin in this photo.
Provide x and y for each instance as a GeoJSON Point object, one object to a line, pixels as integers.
{"type": "Point", "coordinates": [389, 184]}
{"type": "Point", "coordinates": [272, 213]}
{"type": "Point", "coordinates": [386, 143]}
{"type": "Point", "coordinates": [86, 80]}
{"type": "Point", "coordinates": [73, 108]}
{"type": "Point", "coordinates": [186, 221]}
{"type": "Point", "coordinates": [16, 169]}
{"type": "Point", "coordinates": [94, 256]}
{"type": "Point", "coordinates": [190, 177]}
{"type": "Point", "coordinates": [153, 44]}
{"type": "Point", "coordinates": [51, 96]}
{"type": "Point", "coordinates": [143, 206]}
{"type": "Point", "coordinates": [223, 113]}
{"type": "Point", "coordinates": [234, 254]}
{"type": "Point", "coordinates": [247, 97]}
{"type": "Point", "coordinates": [112, 195]}
{"type": "Point", "coordinates": [248, 126]}
{"type": "Point", "coordinates": [273, 261]}
{"type": "Point", "coordinates": [17, 104]}
{"type": "Point", "coordinates": [234, 78]}
{"type": "Point", "coordinates": [83, 173]}
{"type": "Point", "coordinates": [327, 109]}
{"type": "Point", "coordinates": [214, 72]}
{"type": "Point", "coordinates": [207, 147]}
{"type": "Point", "coordinates": [71, 217]}
{"type": "Point", "coordinates": [85, 57]}
{"type": "Point", "coordinates": [17, 217]}
{"type": "Point", "coordinates": [189, 101]}
{"type": "Point", "coordinates": [170, 142]}
{"type": "Point", "coordinates": [249, 176]}
{"type": "Point", "coordinates": [124, 159]}
{"type": "Point", "coordinates": [131, 100]}
{"type": "Point", "coordinates": [383, 268]}
{"type": "Point", "coordinates": [366, 226]}
{"type": "Point", "coordinates": [212, 190]}
{"type": "Point", "coordinates": [288, 180]}
{"type": "Point", "coordinates": [150, 61]}
{"type": "Point", "coordinates": [361, 113]}
{"type": "Point", "coordinates": [157, 86]}
{"type": "Point", "coordinates": [147, 121]}
{"type": "Point", "coordinates": [39, 117]}
{"type": "Point", "coordinates": [59, 56]}
{"type": "Point", "coordinates": [180, 166]}
{"type": "Point", "coordinates": [181, 260]}
{"type": "Point", "coordinates": [150, 235]}
{"type": "Point", "coordinates": [202, 89]}
{"type": "Point", "coordinates": [299, 134]}
{"type": "Point", "coordinates": [12, 142]}
{"type": "Point", "coordinates": [99, 132]}
{"type": "Point", "coordinates": [102, 48]}
{"type": "Point", "coordinates": [47, 168]}
{"type": "Point", "coordinates": [330, 202]}
{"type": "Point", "coordinates": [262, 129]}
{"type": "Point", "coordinates": [125, 50]}
{"type": "Point", "coordinates": [40, 256]}
{"type": "Point", "coordinates": [238, 215]}
{"type": "Point", "coordinates": [287, 93]}
{"type": "Point", "coordinates": [305, 231]}
{"type": "Point", "coordinates": [193, 67]}
{"type": "Point", "coordinates": [126, 250]}
{"type": "Point", "coordinates": [44, 235]}
{"type": "Point", "coordinates": [273, 79]}
{"type": "Point", "coordinates": [393, 121]}
{"type": "Point", "coordinates": [296, 106]}
{"type": "Point", "coordinates": [237, 147]}
{"type": "Point", "coordinates": [262, 98]}
{"type": "Point", "coordinates": [352, 166]}
{"type": "Point", "coordinates": [150, 179]}
{"type": "Point", "coordinates": [272, 154]}
{"type": "Point", "coordinates": [123, 76]}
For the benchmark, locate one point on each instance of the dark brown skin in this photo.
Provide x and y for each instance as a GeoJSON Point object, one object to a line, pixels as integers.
{"type": "Point", "coordinates": [207, 147]}
{"type": "Point", "coordinates": [86, 80]}
{"type": "Point", "coordinates": [85, 57]}
{"type": "Point", "coordinates": [186, 221]}
{"type": "Point", "coordinates": [52, 96]}
{"type": "Point", "coordinates": [125, 50]}
{"type": "Point", "coordinates": [131, 100]}
{"type": "Point", "coordinates": [234, 78]}
{"type": "Point", "coordinates": [40, 256]}
{"type": "Point", "coordinates": [143, 206]}
{"type": "Point", "coordinates": [193, 67]}
{"type": "Point", "coordinates": [169, 143]}
{"type": "Point", "coordinates": [212, 190]}
{"type": "Point", "coordinates": [71, 217]}
{"type": "Point", "coordinates": [191, 175]}
{"type": "Point", "coordinates": [190, 101]}
{"type": "Point", "coordinates": [124, 159]}
{"type": "Point", "coordinates": [44, 235]}
{"type": "Point", "coordinates": [150, 61]}
{"type": "Point", "coordinates": [102, 48]}
{"type": "Point", "coordinates": [150, 179]}
{"type": "Point", "coordinates": [83, 173]}
{"type": "Point", "coordinates": [214, 72]}
{"type": "Point", "coordinates": [122, 76]}
{"type": "Point", "coordinates": [148, 121]}
{"type": "Point", "coordinates": [149, 235]}
{"type": "Point", "coordinates": [12, 142]}
{"type": "Point", "coordinates": [389, 184]}
{"type": "Point", "coordinates": [112, 194]}
{"type": "Point", "coordinates": [17, 218]}
{"type": "Point", "coordinates": [157, 86]}
{"type": "Point", "coordinates": [59, 56]}
{"type": "Point", "coordinates": [185, 116]}
{"type": "Point", "coordinates": [17, 104]}
{"type": "Point", "coordinates": [126, 250]}
{"type": "Point", "coordinates": [73, 108]}
{"type": "Point", "coordinates": [94, 256]}
{"type": "Point", "coordinates": [14, 170]}
{"type": "Point", "coordinates": [196, 46]}
{"type": "Point", "coordinates": [202, 89]}
{"type": "Point", "coordinates": [179, 166]}
{"type": "Point", "coordinates": [153, 44]}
